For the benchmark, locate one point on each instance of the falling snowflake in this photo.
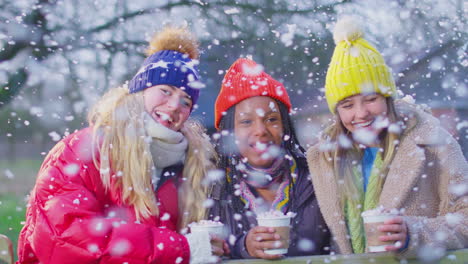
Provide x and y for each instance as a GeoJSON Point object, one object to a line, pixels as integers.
{"type": "Point", "coordinates": [429, 253]}
{"type": "Point", "coordinates": [208, 203]}
{"type": "Point", "coordinates": [120, 248]}
{"type": "Point", "coordinates": [165, 217]}
{"type": "Point", "coordinates": [231, 11]}
{"type": "Point", "coordinates": [9, 174]}
{"type": "Point", "coordinates": [458, 189]}
{"type": "Point", "coordinates": [252, 70]}
{"type": "Point", "coordinates": [344, 141]}
{"type": "Point", "coordinates": [196, 85]}
{"type": "Point", "coordinates": [93, 248]}
{"type": "Point", "coordinates": [364, 136]}
{"type": "Point", "coordinates": [306, 245]}
{"type": "Point", "coordinates": [55, 136]}
{"type": "Point", "coordinates": [232, 239]}
{"type": "Point", "coordinates": [287, 38]}
{"type": "Point", "coordinates": [260, 112]}
{"type": "Point", "coordinates": [160, 246]}
{"type": "Point", "coordinates": [237, 217]}
{"type": "Point", "coordinates": [71, 169]}
{"type": "Point", "coordinates": [214, 176]}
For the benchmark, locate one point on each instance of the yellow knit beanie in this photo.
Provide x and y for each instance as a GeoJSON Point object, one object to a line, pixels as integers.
{"type": "Point", "coordinates": [356, 66]}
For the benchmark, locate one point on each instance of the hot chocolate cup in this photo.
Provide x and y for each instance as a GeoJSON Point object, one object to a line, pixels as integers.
{"type": "Point", "coordinates": [216, 228]}
{"type": "Point", "coordinates": [371, 222]}
{"type": "Point", "coordinates": [282, 226]}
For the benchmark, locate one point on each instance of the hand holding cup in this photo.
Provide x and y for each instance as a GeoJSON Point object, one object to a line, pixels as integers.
{"type": "Point", "coordinates": [396, 232]}
{"type": "Point", "coordinates": [385, 229]}
{"type": "Point", "coordinates": [216, 231]}
{"type": "Point", "coordinates": [270, 239]}
{"type": "Point", "coordinates": [260, 238]}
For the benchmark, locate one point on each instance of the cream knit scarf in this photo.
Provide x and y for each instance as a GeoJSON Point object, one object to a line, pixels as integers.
{"type": "Point", "coordinates": [168, 147]}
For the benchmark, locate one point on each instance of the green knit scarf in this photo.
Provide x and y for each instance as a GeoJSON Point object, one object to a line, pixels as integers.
{"type": "Point", "coordinates": [366, 201]}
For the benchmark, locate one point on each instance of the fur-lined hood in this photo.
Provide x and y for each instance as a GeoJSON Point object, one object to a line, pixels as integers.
{"type": "Point", "coordinates": [418, 119]}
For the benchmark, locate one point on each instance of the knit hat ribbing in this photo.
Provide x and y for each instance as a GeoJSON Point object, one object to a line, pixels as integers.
{"type": "Point", "coordinates": [244, 79]}
{"type": "Point", "coordinates": [171, 62]}
{"type": "Point", "coordinates": [356, 66]}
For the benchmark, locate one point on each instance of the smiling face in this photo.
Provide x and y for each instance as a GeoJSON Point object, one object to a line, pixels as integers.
{"type": "Point", "coordinates": [167, 105]}
{"type": "Point", "coordinates": [362, 111]}
{"type": "Point", "coordinates": [258, 130]}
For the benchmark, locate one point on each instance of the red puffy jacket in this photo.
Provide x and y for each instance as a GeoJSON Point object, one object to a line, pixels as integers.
{"type": "Point", "coordinates": [72, 219]}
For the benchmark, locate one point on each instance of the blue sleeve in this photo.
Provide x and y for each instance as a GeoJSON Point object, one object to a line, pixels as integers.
{"type": "Point", "coordinates": [406, 243]}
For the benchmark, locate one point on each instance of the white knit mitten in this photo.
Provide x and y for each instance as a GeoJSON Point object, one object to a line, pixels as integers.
{"type": "Point", "coordinates": [200, 248]}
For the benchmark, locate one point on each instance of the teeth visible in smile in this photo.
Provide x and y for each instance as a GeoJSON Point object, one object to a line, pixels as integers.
{"type": "Point", "coordinates": [164, 116]}
{"type": "Point", "coordinates": [260, 146]}
{"type": "Point", "coordinates": [363, 124]}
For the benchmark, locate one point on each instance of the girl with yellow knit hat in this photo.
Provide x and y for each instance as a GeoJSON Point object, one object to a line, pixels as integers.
{"type": "Point", "coordinates": [265, 168]}
{"type": "Point", "coordinates": [384, 153]}
{"type": "Point", "coordinates": [123, 189]}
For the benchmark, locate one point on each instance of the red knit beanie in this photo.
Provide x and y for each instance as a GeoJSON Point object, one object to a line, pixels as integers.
{"type": "Point", "coordinates": [245, 79]}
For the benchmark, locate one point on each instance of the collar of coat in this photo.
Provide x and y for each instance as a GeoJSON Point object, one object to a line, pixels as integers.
{"type": "Point", "coordinates": [422, 129]}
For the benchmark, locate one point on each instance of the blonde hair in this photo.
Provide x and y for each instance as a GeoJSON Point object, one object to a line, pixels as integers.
{"type": "Point", "coordinates": [201, 158]}
{"type": "Point", "coordinates": [345, 159]}
{"type": "Point", "coordinates": [118, 130]}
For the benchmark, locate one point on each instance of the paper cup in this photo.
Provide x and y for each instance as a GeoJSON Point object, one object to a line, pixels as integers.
{"type": "Point", "coordinates": [371, 222]}
{"type": "Point", "coordinates": [282, 227]}
{"type": "Point", "coordinates": [217, 230]}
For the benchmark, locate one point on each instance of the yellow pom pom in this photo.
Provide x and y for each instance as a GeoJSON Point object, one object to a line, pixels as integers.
{"type": "Point", "coordinates": [174, 38]}
{"type": "Point", "coordinates": [347, 29]}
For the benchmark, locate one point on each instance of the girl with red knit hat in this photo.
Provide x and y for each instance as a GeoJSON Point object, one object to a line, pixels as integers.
{"type": "Point", "coordinates": [265, 168]}
{"type": "Point", "coordinates": [109, 193]}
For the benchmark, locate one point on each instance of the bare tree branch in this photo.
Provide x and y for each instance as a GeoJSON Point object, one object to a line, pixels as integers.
{"type": "Point", "coordinates": [427, 56]}
{"type": "Point", "coordinates": [216, 6]}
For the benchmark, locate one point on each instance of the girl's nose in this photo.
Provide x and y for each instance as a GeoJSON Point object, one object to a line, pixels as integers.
{"type": "Point", "coordinates": [361, 111]}
{"type": "Point", "coordinates": [259, 128]}
{"type": "Point", "coordinates": [173, 102]}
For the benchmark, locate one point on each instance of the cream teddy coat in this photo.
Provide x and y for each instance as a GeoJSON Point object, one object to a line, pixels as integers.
{"type": "Point", "coordinates": [428, 179]}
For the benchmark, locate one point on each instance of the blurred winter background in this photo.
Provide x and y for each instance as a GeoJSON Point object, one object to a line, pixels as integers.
{"type": "Point", "coordinates": [57, 57]}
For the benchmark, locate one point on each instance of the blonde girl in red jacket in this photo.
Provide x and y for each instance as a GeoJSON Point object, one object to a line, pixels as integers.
{"type": "Point", "coordinates": [122, 190]}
